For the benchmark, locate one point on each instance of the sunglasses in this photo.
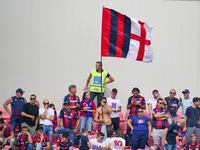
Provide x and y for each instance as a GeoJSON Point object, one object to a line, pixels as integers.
{"type": "Point", "coordinates": [32, 98]}
{"type": "Point", "coordinates": [172, 93]}
{"type": "Point", "coordinates": [46, 103]}
{"type": "Point", "coordinates": [40, 131]}
{"type": "Point", "coordinates": [114, 134]}
{"type": "Point", "coordinates": [140, 111]}
{"type": "Point", "coordinates": [105, 102]}
{"type": "Point", "coordinates": [161, 103]}
{"type": "Point", "coordinates": [102, 138]}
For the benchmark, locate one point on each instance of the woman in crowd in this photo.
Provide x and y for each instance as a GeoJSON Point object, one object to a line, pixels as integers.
{"type": "Point", "coordinates": [141, 129]}
{"type": "Point", "coordinates": [117, 143]}
{"type": "Point", "coordinates": [112, 134]}
{"type": "Point", "coordinates": [87, 107]}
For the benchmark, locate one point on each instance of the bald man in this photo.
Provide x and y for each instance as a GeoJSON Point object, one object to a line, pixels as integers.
{"type": "Point", "coordinates": [170, 134]}
{"type": "Point", "coordinates": [46, 120]}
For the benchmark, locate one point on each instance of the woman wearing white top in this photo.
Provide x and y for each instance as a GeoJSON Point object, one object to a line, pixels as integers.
{"type": "Point", "coordinates": [112, 134]}
{"type": "Point", "coordinates": [117, 143]}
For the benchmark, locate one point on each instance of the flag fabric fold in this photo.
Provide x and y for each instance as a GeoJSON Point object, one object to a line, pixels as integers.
{"type": "Point", "coordinates": [125, 37]}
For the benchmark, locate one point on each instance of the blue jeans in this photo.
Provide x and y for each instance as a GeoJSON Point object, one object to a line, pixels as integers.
{"type": "Point", "coordinates": [99, 97]}
{"type": "Point", "coordinates": [171, 147]}
{"type": "Point", "coordinates": [38, 146]}
{"type": "Point", "coordinates": [169, 120]}
{"type": "Point", "coordinates": [69, 131]}
{"type": "Point", "coordinates": [87, 120]}
{"type": "Point", "coordinates": [14, 122]}
{"type": "Point", "coordinates": [48, 130]}
{"type": "Point", "coordinates": [29, 147]}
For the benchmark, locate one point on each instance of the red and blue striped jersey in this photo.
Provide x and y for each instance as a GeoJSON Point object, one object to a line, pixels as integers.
{"type": "Point", "coordinates": [189, 146]}
{"type": "Point", "coordinates": [69, 118]}
{"type": "Point", "coordinates": [55, 120]}
{"type": "Point", "coordinates": [36, 139]}
{"type": "Point", "coordinates": [72, 100]}
{"type": "Point", "coordinates": [64, 146]}
{"type": "Point", "coordinates": [23, 141]}
{"type": "Point", "coordinates": [134, 108]}
{"type": "Point", "coordinates": [160, 124]}
{"type": "Point", "coordinates": [90, 105]}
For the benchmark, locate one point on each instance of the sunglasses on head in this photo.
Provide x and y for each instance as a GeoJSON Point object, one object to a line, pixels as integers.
{"type": "Point", "coordinates": [32, 98]}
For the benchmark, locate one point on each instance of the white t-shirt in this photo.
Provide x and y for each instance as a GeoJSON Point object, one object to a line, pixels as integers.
{"type": "Point", "coordinates": [97, 145]}
{"type": "Point", "coordinates": [114, 103]}
{"type": "Point", "coordinates": [49, 113]}
{"type": "Point", "coordinates": [107, 141]}
{"type": "Point", "coordinates": [117, 143]}
{"type": "Point", "coordinates": [152, 102]}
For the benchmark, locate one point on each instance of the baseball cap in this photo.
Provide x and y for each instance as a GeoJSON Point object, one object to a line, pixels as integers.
{"type": "Point", "coordinates": [66, 103]}
{"type": "Point", "coordinates": [186, 91]}
{"type": "Point", "coordinates": [155, 91]}
{"type": "Point", "coordinates": [20, 91]}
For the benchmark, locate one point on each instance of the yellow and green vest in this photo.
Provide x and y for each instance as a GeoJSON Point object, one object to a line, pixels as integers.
{"type": "Point", "coordinates": [96, 81]}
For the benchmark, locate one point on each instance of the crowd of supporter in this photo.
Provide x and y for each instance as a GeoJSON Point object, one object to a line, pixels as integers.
{"type": "Point", "coordinates": [73, 127]}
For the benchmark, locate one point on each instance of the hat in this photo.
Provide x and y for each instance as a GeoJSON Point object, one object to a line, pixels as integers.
{"type": "Point", "coordinates": [186, 91]}
{"type": "Point", "coordinates": [155, 91]}
{"type": "Point", "coordinates": [20, 91]}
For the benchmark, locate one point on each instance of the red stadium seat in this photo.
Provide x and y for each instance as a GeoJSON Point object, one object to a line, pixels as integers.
{"type": "Point", "coordinates": [179, 114]}
{"type": "Point", "coordinates": [92, 132]}
{"type": "Point", "coordinates": [180, 133]}
{"type": "Point", "coordinates": [151, 142]}
{"type": "Point", "coordinates": [183, 143]}
{"type": "Point", "coordinates": [91, 137]}
{"type": "Point", "coordinates": [146, 113]}
{"type": "Point", "coordinates": [121, 117]}
{"type": "Point", "coordinates": [127, 114]}
{"type": "Point", "coordinates": [97, 126]}
{"type": "Point", "coordinates": [6, 115]}
{"type": "Point", "coordinates": [122, 126]}
{"type": "Point", "coordinates": [54, 141]}
{"type": "Point", "coordinates": [177, 143]}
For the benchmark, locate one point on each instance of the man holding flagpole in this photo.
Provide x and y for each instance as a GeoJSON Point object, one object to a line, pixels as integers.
{"type": "Point", "coordinates": [97, 87]}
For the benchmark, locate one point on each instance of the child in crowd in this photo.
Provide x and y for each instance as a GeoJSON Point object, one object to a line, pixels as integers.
{"type": "Point", "coordinates": [64, 143]}
{"type": "Point", "coordinates": [41, 141]}
{"type": "Point", "coordinates": [117, 143]}
{"type": "Point", "coordinates": [15, 146]}
{"type": "Point", "coordinates": [84, 142]}
{"type": "Point", "coordinates": [193, 143]}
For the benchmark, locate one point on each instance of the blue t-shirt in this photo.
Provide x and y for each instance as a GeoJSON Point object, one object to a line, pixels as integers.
{"type": "Point", "coordinates": [172, 105]}
{"type": "Point", "coordinates": [193, 115]}
{"type": "Point", "coordinates": [140, 126]}
{"type": "Point", "coordinates": [172, 133]}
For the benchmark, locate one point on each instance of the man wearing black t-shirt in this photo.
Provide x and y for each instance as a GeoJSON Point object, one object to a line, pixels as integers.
{"type": "Point", "coordinates": [84, 143]}
{"type": "Point", "coordinates": [30, 115]}
{"type": "Point", "coordinates": [170, 134]}
{"type": "Point", "coordinates": [192, 116]}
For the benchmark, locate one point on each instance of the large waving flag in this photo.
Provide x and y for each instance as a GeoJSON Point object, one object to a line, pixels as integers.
{"type": "Point", "coordinates": [125, 37]}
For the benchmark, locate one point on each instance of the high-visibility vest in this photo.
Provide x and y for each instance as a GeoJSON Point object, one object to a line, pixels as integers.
{"type": "Point", "coordinates": [96, 81]}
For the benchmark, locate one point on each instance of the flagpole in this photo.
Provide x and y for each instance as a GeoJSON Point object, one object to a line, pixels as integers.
{"type": "Point", "coordinates": [101, 67]}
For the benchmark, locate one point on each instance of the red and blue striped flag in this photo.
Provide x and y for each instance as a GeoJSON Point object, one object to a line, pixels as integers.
{"type": "Point", "coordinates": [125, 37]}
